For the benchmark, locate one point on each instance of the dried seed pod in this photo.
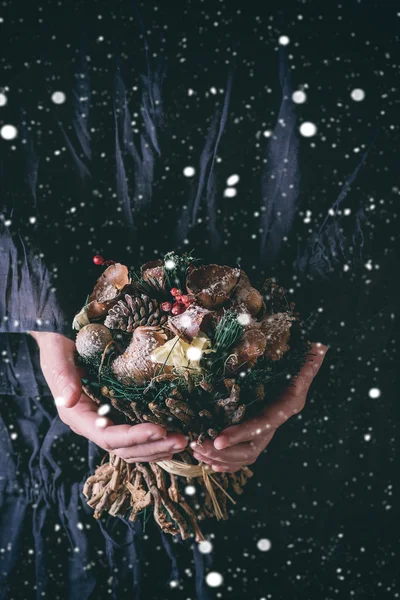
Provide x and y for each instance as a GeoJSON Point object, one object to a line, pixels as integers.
{"type": "Point", "coordinates": [245, 298]}
{"type": "Point", "coordinates": [154, 270]}
{"type": "Point", "coordinates": [176, 394]}
{"type": "Point", "coordinates": [235, 483]}
{"type": "Point", "coordinates": [121, 406]}
{"type": "Point", "coordinates": [107, 290]}
{"type": "Point", "coordinates": [212, 285]}
{"type": "Point", "coordinates": [237, 416]}
{"type": "Point", "coordinates": [206, 386]}
{"type": "Point", "coordinates": [135, 365]}
{"type": "Point", "coordinates": [248, 350]}
{"type": "Point", "coordinates": [205, 414]}
{"type": "Point", "coordinates": [158, 409]}
{"type": "Point", "coordinates": [135, 310]}
{"type": "Point", "coordinates": [181, 410]}
{"type": "Point", "coordinates": [162, 420]}
{"type": "Point", "coordinates": [92, 340]}
{"type": "Point", "coordinates": [188, 324]}
{"type": "Point", "coordinates": [259, 392]}
{"type": "Point", "coordinates": [212, 433]}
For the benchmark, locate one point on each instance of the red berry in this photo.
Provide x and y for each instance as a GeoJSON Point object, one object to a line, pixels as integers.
{"type": "Point", "coordinates": [175, 292]}
{"type": "Point", "coordinates": [98, 260]}
{"type": "Point", "coordinates": [166, 306]}
{"type": "Point", "coordinates": [177, 309]}
{"type": "Point", "coordinates": [187, 299]}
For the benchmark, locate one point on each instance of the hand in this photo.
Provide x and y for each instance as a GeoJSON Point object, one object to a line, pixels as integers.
{"type": "Point", "coordinates": [134, 443]}
{"type": "Point", "coordinates": [241, 445]}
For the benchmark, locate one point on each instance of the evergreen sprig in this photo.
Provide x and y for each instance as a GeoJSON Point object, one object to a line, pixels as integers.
{"type": "Point", "coordinates": [227, 332]}
{"type": "Point", "coordinates": [176, 276]}
{"type": "Point", "coordinates": [151, 286]}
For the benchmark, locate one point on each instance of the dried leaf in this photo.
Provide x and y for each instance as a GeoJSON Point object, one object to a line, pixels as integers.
{"type": "Point", "coordinates": [277, 331]}
{"type": "Point", "coordinates": [107, 290]}
{"type": "Point", "coordinates": [188, 324]}
{"type": "Point", "coordinates": [248, 350]}
{"type": "Point", "coordinates": [212, 285]}
{"type": "Point", "coordinates": [154, 270]}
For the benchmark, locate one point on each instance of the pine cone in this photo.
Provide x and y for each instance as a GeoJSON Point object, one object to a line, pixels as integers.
{"type": "Point", "coordinates": [135, 311]}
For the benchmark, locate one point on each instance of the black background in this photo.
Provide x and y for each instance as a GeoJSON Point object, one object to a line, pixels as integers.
{"type": "Point", "coordinates": [323, 494]}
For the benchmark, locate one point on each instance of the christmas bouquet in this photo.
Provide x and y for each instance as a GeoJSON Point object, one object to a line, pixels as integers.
{"type": "Point", "coordinates": [194, 348]}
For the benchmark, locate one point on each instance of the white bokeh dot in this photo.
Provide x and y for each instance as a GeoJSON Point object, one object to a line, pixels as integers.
{"type": "Point", "coordinates": [103, 409]}
{"type": "Point", "coordinates": [374, 393]}
{"type": "Point", "coordinates": [264, 545]}
{"type": "Point", "coordinates": [299, 97]}
{"type": "Point", "coordinates": [357, 95]}
{"type": "Point", "coordinates": [101, 422]}
{"type": "Point", "coordinates": [190, 490]}
{"type": "Point", "coordinates": [308, 129]}
{"type": "Point", "coordinates": [189, 171]}
{"type": "Point", "coordinates": [232, 180]}
{"type": "Point", "coordinates": [8, 132]}
{"type": "Point", "coordinates": [58, 97]}
{"type": "Point", "coordinates": [267, 133]}
{"type": "Point", "coordinates": [214, 579]}
{"type": "Point", "coordinates": [3, 99]}
{"type": "Point", "coordinates": [230, 192]}
{"type": "Point", "coordinates": [244, 318]}
{"type": "Point", "coordinates": [169, 264]}
{"type": "Point", "coordinates": [284, 40]}
{"type": "Point", "coordinates": [205, 547]}
{"type": "Point", "coordinates": [193, 353]}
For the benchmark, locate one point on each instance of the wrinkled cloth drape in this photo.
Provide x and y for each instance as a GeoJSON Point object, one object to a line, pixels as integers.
{"type": "Point", "coordinates": [99, 169]}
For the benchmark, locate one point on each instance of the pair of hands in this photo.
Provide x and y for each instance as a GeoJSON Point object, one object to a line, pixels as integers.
{"type": "Point", "coordinates": [235, 447]}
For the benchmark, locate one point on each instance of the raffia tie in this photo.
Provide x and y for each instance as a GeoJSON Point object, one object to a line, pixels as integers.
{"type": "Point", "coordinates": [200, 470]}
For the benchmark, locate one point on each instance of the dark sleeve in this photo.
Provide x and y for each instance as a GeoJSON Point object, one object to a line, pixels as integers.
{"type": "Point", "coordinates": [28, 300]}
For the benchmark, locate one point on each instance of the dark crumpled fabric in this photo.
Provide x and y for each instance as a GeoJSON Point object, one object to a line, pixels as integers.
{"type": "Point", "coordinates": [102, 173]}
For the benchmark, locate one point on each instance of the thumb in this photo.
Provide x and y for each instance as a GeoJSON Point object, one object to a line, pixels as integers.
{"type": "Point", "coordinates": [58, 366]}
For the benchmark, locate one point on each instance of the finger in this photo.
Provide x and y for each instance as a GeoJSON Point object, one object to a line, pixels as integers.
{"type": "Point", "coordinates": [126, 436]}
{"type": "Point", "coordinates": [154, 458]}
{"type": "Point", "coordinates": [213, 461]}
{"type": "Point", "coordinates": [291, 402]}
{"type": "Point", "coordinates": [84, 419]}
{"type": "Point", "coordinates": [225, 468]}
{"type": "Point", "coordinates": [240, 452]}
{"type": "Point", "coordinates": [203, 459]}
{"type": "Point", "coordinates": [57, 361]}
{"type": "Point", "coordinates": [170, 444]}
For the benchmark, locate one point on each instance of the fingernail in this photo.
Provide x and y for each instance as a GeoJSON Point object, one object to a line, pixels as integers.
{"type": "Point", "coordinates": [178, 447]}
{"type": "Point", "coordinates": [220, 444]}
{"type": "Point", "coordinates": [68, 393]}
{"type": "Point", "coordinates": [157, 436]}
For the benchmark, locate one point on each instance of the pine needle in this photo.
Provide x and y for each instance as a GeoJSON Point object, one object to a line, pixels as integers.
{"type": "Point", "coordinates": [227, 332]}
